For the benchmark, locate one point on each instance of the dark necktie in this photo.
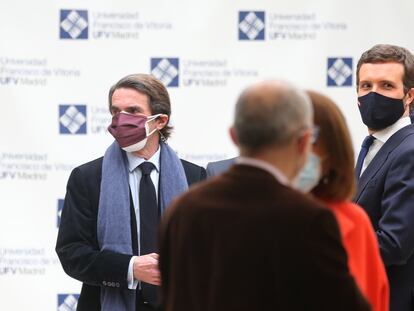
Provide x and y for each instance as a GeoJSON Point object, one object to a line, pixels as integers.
{"type": "Point", "coordinates": [149, 218]}
{"type": "Point", "coordinates": [366, 144]}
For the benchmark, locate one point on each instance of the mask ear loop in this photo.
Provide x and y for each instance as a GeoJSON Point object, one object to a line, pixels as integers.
{"type": "Point", "coordinates": [152, 118]}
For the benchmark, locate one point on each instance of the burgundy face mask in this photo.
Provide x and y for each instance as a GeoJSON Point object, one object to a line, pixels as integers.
{"type": "Point", "coordinates": [131, 131]}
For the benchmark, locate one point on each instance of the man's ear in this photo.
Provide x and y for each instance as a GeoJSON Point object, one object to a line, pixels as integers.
{"type": "Point", "coordinates": [161, 121]}
{"type": "Point", "coordinates": [410, 96]}
{"type": "Point", "coordinates": [303, 142]}
{"type": "Point", "coordinates": [233, 136]}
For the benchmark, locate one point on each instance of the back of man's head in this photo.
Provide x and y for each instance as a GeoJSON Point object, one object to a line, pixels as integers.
{"type": "Point", "coordinates": [269, 114]}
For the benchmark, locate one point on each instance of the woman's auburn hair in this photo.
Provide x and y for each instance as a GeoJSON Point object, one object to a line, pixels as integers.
{"type": "Point", "coordinates": [335, 145]}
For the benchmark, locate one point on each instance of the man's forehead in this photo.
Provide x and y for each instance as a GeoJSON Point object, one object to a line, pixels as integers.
{"type": "Point", "coordinates": [128, 91]}
{"type": "Point", "coordinates": [381, 71]}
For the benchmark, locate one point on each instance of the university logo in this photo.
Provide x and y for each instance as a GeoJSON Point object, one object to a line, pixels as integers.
{"type": "Point", "coordinates": [339, 71]}
{"type": "Point", "coordinates": [67, 302]}
{"type": "Point", "coordinates": [59, 211]}
{"type": "Point", "coordinates": [72, 119]}
{"type": "Point", "coordinates": [251, 25]}
{"type": "Point", "coordinates": [73, 24]}
{"type": "Point", "coordinates": [166, 70]}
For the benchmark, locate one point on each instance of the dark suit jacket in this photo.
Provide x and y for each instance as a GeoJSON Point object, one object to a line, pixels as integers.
{"type": "Point", "coordinates": [242, 241]}
{"type": "Point", "coordinates": [386, 192]}
{"type": "Point", "coordinates": [77, 244]}
{"type": "Point", "coordinates": [218, 167]}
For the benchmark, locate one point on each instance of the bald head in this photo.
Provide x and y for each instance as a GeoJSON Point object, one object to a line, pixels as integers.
{"type": "Point", "coordinates": [271, 113]}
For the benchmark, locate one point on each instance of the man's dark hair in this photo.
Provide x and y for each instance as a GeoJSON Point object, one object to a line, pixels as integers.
{"type": "Point", "coordinates": [386, 53]}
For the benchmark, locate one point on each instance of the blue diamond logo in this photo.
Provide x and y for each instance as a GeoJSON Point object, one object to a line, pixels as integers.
{"type": "Point", "coordinates": [73, 24]}
{"type": "Point", "coordinates": [339, 72]}
{"type": "Point", "coordinates": [72, 119]}
{"type": "Point", "coordinates": [252, 25]}
{"type": "Point", "coordinates": [166, 70]}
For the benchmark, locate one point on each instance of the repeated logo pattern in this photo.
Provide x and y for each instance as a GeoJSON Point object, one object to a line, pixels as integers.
{"type": "Point", "coordinates": [59, 211]}
{"type": "Point", "coordinates": [72, 119]}
{"type": "Point", "coordinates": [339, 71]}
{"type": "Point", "coordinates": [67, 302]}
{"type": "Point", "coordinates": [73, 24]}
{"type": "Point", "coordinates": [251, 25]}
{"type": "Point", "coordinates": [166, 70]}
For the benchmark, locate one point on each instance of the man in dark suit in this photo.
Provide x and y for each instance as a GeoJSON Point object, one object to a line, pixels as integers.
{"type": "Point", "coordinates": [107, 235]}
{"type": "Point", "coordinates": [218, 167]}
{"type": "Point", "coordinates": [246, 240]}
{"type": "Point", "coordinates": [385, 166]}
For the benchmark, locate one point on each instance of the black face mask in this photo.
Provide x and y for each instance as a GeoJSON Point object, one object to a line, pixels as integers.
{"type": "Point", "coordinates": [379, 111]}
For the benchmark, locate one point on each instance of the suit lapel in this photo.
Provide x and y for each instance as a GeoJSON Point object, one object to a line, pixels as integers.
{"type": "Point", "coordinates": [381, 157]}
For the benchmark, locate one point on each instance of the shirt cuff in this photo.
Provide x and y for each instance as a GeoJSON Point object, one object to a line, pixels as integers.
{"type": "Point", "coordinates": [132, 283]}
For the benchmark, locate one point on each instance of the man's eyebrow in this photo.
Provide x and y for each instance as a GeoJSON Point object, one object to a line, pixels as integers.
{"type": "Point", "coordinates": [136, 107]}
{"type": "Point", "coordinates": [388, 81]}
{"type": "Point", "coordinates": [132, 106]}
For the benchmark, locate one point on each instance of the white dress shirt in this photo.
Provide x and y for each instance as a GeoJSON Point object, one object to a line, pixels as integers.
{"type": "Point", "coordinates": [135, 175]}
{"type": "Point", "coordinates": [381, 138]}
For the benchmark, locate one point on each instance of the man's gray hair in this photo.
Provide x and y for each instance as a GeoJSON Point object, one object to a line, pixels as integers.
{"type": "Point", "coordinates": [271, 113]}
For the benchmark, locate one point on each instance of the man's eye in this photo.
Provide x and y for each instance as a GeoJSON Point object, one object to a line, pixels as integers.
{"type": "Point", "coordinates": [388, 85]}
{"type": "Point", "coordinates": [364, 85]}
{"type": "Point", "coordinates": [133, 110]}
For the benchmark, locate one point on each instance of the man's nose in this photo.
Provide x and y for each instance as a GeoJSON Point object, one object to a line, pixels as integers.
{"type": "Point", "coordinates": [375, 88]}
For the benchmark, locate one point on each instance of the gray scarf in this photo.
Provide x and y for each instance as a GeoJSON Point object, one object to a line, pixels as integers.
{"type": "Point", "coordinates": [114, 218]}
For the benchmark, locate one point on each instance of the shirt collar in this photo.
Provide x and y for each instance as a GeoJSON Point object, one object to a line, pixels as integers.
{"type": "Point", "coordinates": [386, 133]}
{"type": "Point", "coordinates": [274, 171]}
{"type": "Point", "coordinates": [134, 161]}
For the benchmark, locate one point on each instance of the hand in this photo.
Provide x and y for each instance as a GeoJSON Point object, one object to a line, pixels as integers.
{"type": "Point", "coordinates": [146, 269]}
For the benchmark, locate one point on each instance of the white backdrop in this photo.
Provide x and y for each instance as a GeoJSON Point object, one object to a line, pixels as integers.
{"type": "Point", "coordinates": [59, 58]}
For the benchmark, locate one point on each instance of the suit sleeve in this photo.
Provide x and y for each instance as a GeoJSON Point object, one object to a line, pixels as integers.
{"type": "Point", "coordinates": [194, 173]}
{"type": "Point", "coordinates": [330, 284]}
{"type": "Point", "coordinates": [77, 245]}
{"type": "Point", "coordinates": [395, 231]}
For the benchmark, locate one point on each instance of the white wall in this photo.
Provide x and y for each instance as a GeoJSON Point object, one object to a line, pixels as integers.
{"type": "Point", "coordinates": [40, 72]}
